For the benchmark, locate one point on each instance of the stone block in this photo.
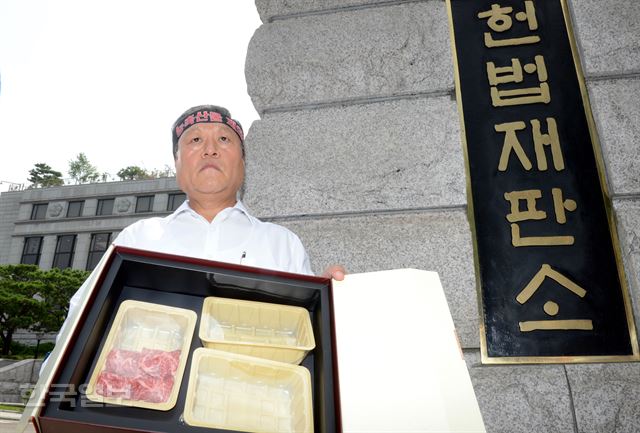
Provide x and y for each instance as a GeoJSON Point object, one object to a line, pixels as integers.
{"type": "Point", "coordinates": [609, 34]}
{"type": "Point", "coordinates": [23, 375]}
{"type": "Point", "coordinates": [374, 52]}
{"type": "Point", "coordinates": [393, 155]}
{"type": "Point", "coordinates": [616, 109]}
{"type": "Point", "coordinates": [521, 398]}
{"type": "Point", "coordinates": [25, 211]}
{"type": "Point", "coordinates": [281, 8]}
{"type": "Point", "coordinates": [606, 397]}
{"type": "Point", "coordinates": [434, 241]}
{"type": "Point", "coordinates": [8, 388]}
{"type": "Point", "coordinates": [15, 253]}
{"type": "Point", "coordinates": [36, 371]}
{"type": "Point", "coordinates": [628, 218]}
{"type": "Point", "coordinates": [8, 375]}
{"type": "Point", "coordinates": [10, 398]}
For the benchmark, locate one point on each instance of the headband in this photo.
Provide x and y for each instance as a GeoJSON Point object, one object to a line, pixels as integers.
{"type": "Point", "coordinates": [191, 118]}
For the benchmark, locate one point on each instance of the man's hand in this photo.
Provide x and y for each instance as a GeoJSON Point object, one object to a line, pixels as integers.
{"type": "Point", "coordinates": [337, 272]}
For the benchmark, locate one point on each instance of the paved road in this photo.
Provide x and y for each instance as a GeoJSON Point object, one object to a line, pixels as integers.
{"type": "Point", "coordinates": [7, 426]}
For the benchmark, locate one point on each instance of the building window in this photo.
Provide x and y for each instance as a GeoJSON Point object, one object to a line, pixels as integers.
{"type": "Point", "coordinates": [144, 204]}
{"type": "Point", "coordinates": [39, 211]}
{"type": "Point", "coordinates": [175, 200]}
{"type": "Point", "coordinates": [74, 209]}
{"type": "Point", "coordinates": [31, 251]}
{"type": "Point", "coordinates": [99, 244]}
{"type": "Point", "coordinates": [105, 206]}
{"type": "Point", "coordinates": [65, 246]}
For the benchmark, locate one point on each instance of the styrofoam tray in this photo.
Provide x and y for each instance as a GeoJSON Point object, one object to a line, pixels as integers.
{"type": "Point", "coordinates": [237, 392]}
{"type": "Point", "coordinates": [270, 331]}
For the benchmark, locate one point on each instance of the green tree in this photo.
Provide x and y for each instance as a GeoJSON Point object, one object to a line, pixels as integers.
{"type": "Point", "coordinates": [35, 300]}
{"type": "Point", "coordinates": [43, 176]}
{"type": "Point", "coordinates": [57, 288]}
{"type": "Point", "coordinates": [20, 307]}
{"type": "Point", "coordinates": [133, 172]}
{"type": "Point", "coordinates": [167, 171]}
{"type": "Point", "coordinates": [82, 171]}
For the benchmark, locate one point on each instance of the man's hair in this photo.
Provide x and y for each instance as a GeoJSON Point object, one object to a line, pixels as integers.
{"type": "Point", "coordinates": [204, 114]}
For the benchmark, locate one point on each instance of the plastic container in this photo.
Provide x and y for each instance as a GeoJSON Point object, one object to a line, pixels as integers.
{"type": "Point", "coordinates": [244, 393]}
{"type": "Point", "coordinates": [144, 356]}
{"type": "Point", "coordinates": [271, 331]}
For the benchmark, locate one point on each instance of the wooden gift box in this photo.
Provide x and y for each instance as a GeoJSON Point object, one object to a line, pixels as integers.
{"type": "Point", "coordinates": [184, 283]}
{"type": "Point", "coordinates": [387, 336]}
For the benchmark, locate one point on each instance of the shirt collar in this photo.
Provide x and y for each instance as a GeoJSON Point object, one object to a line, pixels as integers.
{"type": "Point", "coordinates": [184, 207]}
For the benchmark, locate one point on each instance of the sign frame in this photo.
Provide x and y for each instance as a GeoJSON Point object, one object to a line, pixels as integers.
{"type": "Point", "coordinates": [597, 153]}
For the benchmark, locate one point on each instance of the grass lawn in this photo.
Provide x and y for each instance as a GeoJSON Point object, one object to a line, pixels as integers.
{"type": "Point", "coordinates": [17, 409]}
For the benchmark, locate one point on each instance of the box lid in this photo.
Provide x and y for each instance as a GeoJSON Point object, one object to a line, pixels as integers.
{"type": "Point", "coordinates": [400, 367]}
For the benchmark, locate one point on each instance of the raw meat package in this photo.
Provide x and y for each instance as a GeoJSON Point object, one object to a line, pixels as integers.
{"type": "Point", "coordinates": [143, 359]}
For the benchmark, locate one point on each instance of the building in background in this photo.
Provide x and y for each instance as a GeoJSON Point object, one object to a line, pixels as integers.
{"type": "Point", "coordinates": [71, 226]}
{"type": "Point", "coordinates": [358, 151]}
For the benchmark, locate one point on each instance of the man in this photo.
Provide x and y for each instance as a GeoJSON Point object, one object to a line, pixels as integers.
{"type": "Point", "coordinates": [208, 150]}
{"type": "Point", "coordinates": [213, 224]}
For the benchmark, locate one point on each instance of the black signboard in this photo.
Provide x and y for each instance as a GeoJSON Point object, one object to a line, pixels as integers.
{"type": "Point", "coordinates": [550, 278]}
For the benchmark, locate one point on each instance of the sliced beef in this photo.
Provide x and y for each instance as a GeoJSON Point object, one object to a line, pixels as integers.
{"type": "Point", "coordinates": [147, 375]}
{"type": "Point", "coordinates": [151, 389]}
{"type": "Point", "coordinates": [158, 363]}
{"type": "Point", "coordinates": [113, 385]}
{"type": "Point", "coordinates": [123, 362]}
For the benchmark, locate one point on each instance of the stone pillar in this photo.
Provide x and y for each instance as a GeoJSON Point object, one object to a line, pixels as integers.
{"type": "Point", "coordinates": [160, 202]}
{"type": "Point", "coordinates": [83, 241]}
{"type": "Point", "coordinates": [90, 206]}
{"type": "Point", "coordinates": [358, 151]}
{"type": "Point", "coordinates": [48, 251]}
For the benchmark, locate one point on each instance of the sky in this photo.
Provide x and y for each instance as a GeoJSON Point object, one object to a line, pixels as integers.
{"type": "Point", "coordinates": [109, 77]}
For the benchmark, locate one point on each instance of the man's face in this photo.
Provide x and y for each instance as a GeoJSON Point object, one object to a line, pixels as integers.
{"type": "Point", "coordinates": [209, 161]}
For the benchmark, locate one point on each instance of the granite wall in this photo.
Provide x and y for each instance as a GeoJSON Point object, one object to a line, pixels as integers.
{"type": "Point", "coordinates": [16, 380]}
{"type": "Point", "coordinates": [358, 151]}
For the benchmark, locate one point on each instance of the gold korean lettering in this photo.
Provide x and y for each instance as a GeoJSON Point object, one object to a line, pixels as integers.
{"type": "Point", "coordinates": [551, 139]}
{"type": "Point", "coordinates": [540, 140]}
{"type": "Point", "coordinates": [532, 213]}
{"type": "Point", "coordinates": [513, 74]}
{"type": "Point", "coordinates": [511, 143]}
{"type": "Point", "coordinates": [531, 196]}
{"type": "Point", "coordinates": [499, 20]}
{"type": "Point", "coordinates": [560, 205]}
{"type": "Point", "coordinates": [551, 308]}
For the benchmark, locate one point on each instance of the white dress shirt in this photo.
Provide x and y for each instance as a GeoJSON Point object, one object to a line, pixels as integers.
{"type": "Point", "coordinates": [234, 236]}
